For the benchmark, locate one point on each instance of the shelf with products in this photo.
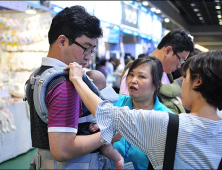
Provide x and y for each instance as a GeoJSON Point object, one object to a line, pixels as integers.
{"type": "Point", "coordinates": [23, 43]}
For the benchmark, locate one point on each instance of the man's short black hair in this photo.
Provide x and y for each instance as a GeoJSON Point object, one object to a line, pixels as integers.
{"type": "Point", "coordinates": [179, 40]}
{"type": "Point", "coordinates": [74, 22]}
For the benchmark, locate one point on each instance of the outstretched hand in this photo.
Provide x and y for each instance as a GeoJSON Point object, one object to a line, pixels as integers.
{"type": "Point", "coordinates": [75, 71]}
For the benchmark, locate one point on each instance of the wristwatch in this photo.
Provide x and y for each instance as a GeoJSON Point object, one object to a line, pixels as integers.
{"type": "Point", "coordinates": [104, 142]}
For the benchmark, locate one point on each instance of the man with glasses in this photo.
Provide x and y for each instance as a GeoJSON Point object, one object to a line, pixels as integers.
{"type": "Point", "coordinates": [72, 38]}
{"type": "Point", "coordinates": [173, 51]}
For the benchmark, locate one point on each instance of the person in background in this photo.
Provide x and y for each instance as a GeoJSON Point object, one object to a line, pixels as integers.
{"type": "Point", "coordinates": [117, 73]}
{"type": "Point", "coordinates": [109, 67]}
{"type": "Point", "coordinates": [101, 67]}
{"type": "Point", "coordinates": [199, 141]}
{"type": "Point", "coordinates": [172, 51]}
{"type": "Point", "coordinates": [72, 37]}
{"type": "Point", "coordinates": [178, 71]}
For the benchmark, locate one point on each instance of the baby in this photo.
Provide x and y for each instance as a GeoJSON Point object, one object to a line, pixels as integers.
{"type": "Point", "coordinates": [100, 81]}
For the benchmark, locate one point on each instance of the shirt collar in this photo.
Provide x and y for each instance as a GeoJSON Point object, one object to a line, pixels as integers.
{"type": "Point", "coordinates": [47, 61]}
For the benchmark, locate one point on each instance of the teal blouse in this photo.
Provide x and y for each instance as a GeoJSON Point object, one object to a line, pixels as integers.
{"type": "Point", "coordinates": [129, 152]}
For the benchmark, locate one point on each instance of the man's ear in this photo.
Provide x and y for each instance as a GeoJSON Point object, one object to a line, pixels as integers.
{"type": "Point", "coordinates": [61, 41]}
{"type": "Point", "coordinates": [167, 50]}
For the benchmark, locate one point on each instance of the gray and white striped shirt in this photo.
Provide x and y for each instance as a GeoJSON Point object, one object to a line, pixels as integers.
{"type": "Point", "coordinates": [199, 144]}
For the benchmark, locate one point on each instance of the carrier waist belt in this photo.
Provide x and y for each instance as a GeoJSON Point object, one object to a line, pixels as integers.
{"type": "Point", "coordinates": [44, 159]}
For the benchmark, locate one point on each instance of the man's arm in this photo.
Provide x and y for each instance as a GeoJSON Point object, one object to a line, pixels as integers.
{"type": "Point", "coordinates": [65, 106]}
{"type": "Point", "coordinates": [65, 146]}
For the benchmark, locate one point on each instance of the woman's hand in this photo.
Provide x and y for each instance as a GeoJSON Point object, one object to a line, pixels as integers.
{"type": "Point", "coordinates": [75, 71]}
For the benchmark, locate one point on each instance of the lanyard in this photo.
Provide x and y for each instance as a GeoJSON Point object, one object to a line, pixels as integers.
{"type": "Point", "coordinates": [126, 148]}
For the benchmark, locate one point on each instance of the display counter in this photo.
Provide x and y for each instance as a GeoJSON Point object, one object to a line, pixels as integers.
{"type": "Point", "coordinates": [17, 141]}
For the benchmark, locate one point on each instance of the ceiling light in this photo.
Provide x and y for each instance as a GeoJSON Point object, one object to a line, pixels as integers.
{"type": "Point", "coordinates": [216, 1]}
{"type": "Point", "coordinates": [201, 48]}
{"type": "Point", "coordinates": [192, 4]}
{"type": "Point", "coordinates": [145, 3]}
{"type": "Point", "coordinates": [217, 7]}
{"type": "Point", "coordinates": [153, 9]}
{"type": "Point", "coordinates": [218, 12]}
{"type": "Point", "coordinates": [200, 18]}
{"type": "Point", "coordinates": [166, 20]}
{"type": "Point", "coordinates": [196, 10]}
{"type": "Point", "coordinates": [220, 23]}
{"type": "Point", "coordinates": [218, 16]}
{"type": "Point", "coordinates": [158, 11]}
{"type": "Point", "coordinates": [198, 14]}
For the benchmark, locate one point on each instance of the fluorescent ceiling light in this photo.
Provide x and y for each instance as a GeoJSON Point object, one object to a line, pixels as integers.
{"type": "Point", "coordinates": [166, 20]}
{"type": "Point", "coordinates": [153, 9]}
{"type": "Point", "coordinates": [158, 11]}
{"type": "Point", "coordinates": [217, 7]}
{"type": "Point", "coordinates": [196, 10]}
{"type": "Point", "coordinates": [145, 3]}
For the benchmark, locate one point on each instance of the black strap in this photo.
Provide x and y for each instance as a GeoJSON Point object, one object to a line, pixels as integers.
{"type": "Point", "coordinates": [171, 142]}
{"type": "Point", "coordinates": [220, 165]}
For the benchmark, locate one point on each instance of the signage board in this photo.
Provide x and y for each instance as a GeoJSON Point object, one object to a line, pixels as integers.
{"type": "Point", "coordinates": [129, 15]}
{"type": "Point", "coordinates": [157, 28]}
{"type": "Point", "coordinates": [145, 23]}
{"type": "Point", "coordinates": [111, 33]}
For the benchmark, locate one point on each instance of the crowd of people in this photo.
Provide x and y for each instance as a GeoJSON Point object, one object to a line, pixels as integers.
{"type": "Point", "coordinates": [134, 128]}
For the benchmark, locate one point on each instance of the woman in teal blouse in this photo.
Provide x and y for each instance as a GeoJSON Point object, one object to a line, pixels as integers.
{"type": "Point", "coordinates": [143, 82]}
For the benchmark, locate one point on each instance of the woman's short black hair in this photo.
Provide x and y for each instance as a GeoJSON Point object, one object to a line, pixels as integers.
{"type": "Point", "coordinates": [74, 22]}
{"type": "Point", "coordinates": [207, 66]}
{"type": "Point", "coordinates": [156, 71]}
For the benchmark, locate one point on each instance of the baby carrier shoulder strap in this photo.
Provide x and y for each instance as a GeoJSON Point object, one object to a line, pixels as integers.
{"type": "Point", "coordinates": [171, 142]}
{"type": "Point", "coordinates": [39, 84]}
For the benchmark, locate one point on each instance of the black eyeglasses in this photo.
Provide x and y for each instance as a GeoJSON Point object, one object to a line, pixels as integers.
{"type": "Point", "coordinates": [181, 60]}
{"type": "Point", "coordinates": [86, 50]}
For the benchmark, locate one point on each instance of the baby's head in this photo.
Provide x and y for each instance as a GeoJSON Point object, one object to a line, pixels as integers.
{"type": "Point", "coordinates": [98, 78]}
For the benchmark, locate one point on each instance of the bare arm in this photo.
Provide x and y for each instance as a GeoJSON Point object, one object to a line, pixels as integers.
{"type": "Point", "coordinates": [90, 99]}
{"type": "Point", "coordinates": [111, 152]}
{"type": "Point", "coordinates": [66, 146]}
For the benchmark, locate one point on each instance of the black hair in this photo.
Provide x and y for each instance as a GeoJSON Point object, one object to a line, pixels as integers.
{"type": "Point", "coordinates": [207, 66]}
{"type": "Point", "coordinates": [74, 22]}
{"type": "Point", "coordinates": [142, 55]}
{"type": "Point", "coordinates": [156, 71]}
{"type": "Point", "coordinates": [179, 40]}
